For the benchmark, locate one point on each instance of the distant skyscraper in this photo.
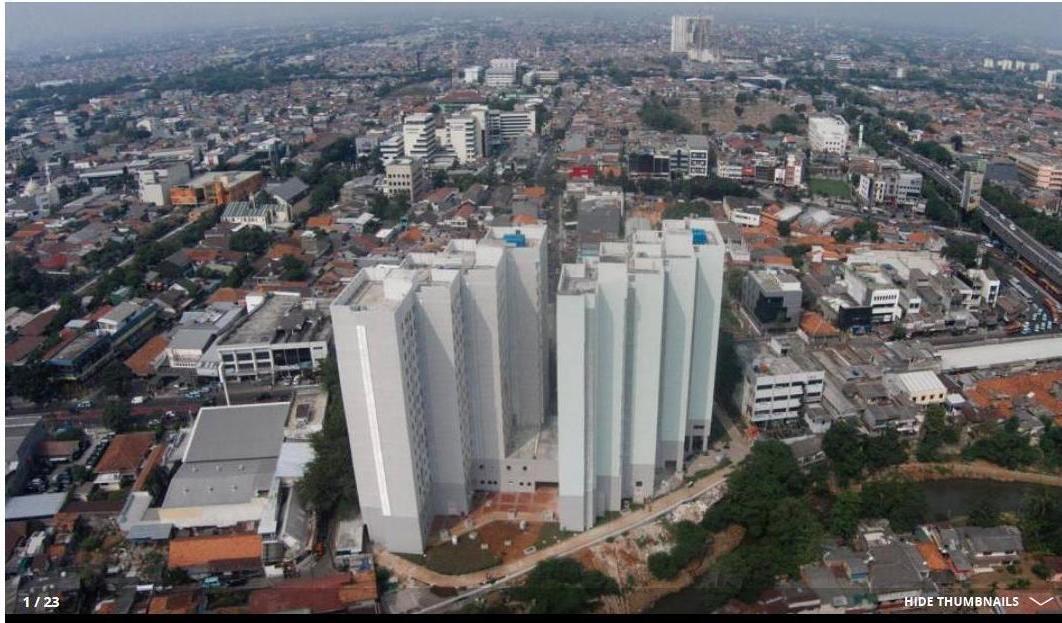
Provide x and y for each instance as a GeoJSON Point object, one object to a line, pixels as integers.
{"type": "Point", "coordinates": [637, 335]}
{"type": "Point", "coordinates": [691, 35]}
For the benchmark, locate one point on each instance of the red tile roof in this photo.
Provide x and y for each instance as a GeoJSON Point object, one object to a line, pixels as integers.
{"type": "Point", "coordinates": [332, 593]}
{"type": "Point", "coordinates": [125, 453]}
{"type": "Point", "coordinates": [141, 361]}
{"type": "Point", "coordinates": [221, 552]}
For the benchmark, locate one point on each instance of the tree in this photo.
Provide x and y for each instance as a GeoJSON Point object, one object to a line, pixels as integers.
{"type": "Point", "coordinates": [784, 228]}
{"type": "Point", "coordinates": [895, 499]}
{"type": "Point", "coordinates": [845, 514]}
{"type": "Point", "coordinates": [985, 515]}
{"type": "Point", "coordinates": [1005, 446]}
{"type": "Point", "coordinates": [936, 432]}
{"type": "Point", "coordinates": [250, 240]}
{"type": "Point", "coordinates": [843, 445]}
{"type": "Point", "coordinates": [842, 235]}
{"type": "Point", "coordinates": [563, 586]}
{"type": "Point", "coordinates": [32, 381]}
{"type": "Point", "coordinates": [117, 380]}
{"type": "Point", "coordinates": [884, 450]}
{"type": "Point", "coordinates": [328, 482]}
{"type": "Point", "coordinates": [292, 268]}
{"type": "Point", "coordinates": [962, 251]}
{"type": "Point", "coordinates": [116, 415]}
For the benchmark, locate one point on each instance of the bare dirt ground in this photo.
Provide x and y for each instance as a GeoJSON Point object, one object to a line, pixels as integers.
{"type": "Point", "coordinates": [976, 469]}
{"type": "Point", "coordinates": [625, 559]}
{"type": "Point", "coordinates": [718, 113]}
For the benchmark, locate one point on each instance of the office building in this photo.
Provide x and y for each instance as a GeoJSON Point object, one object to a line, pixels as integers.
{"type": "Point", "coordinates": [465, 138]}
{"type": "Point", "coordinates": [391, 149]}
{"type": "Point", "coordinates": [869, 286]}
{"type": "Point", "coordinates": [637, 333]}
{"type": "Point", "coordinates": [773, 299]}
{"type": "Point", "coordinates": [156, 180]}
{"type": "Point", "coordinates": [281, 335]}
{"type": "Point", "coordinates": [502, 72]}
{"type": "Point", "coordinates": [442, 362]}
{"type": "Point", "coordinates": [828, 134]}
{"type": "Point", "coordinates": [507, 125]}
{"type": "Point", "coordinates": [418, 136]}
{"type": "Point", "coordinates": [406, 176]}
{"type": "Point", "coordinates": [778, 387]}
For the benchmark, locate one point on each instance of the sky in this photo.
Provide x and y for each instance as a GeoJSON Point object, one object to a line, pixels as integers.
{"type": "Point", "coordinates": [37, 26]}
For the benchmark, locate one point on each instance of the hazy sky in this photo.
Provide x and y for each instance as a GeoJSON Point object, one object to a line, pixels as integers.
{"type": "Point", "coordinates": [41, 26]}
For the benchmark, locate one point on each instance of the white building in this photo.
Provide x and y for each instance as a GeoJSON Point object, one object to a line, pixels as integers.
{"type": "Point", "coordinates": [502, 72]}
{"type": "Point", "coordinates": [418, 136]}
{"type": "Point", "coordinates": [923, 387]}
{"type": "Point", "coordinates": [637, 334]}
{"type": "Point", "coordinates": [506, 125]}
{"type": "Point", "coordinates": [691, 35]}
{"type": "Point", "coordinates": [465, 138]}
{"type": "Point", "coordinates": [869, 286]}
{"type": "Point", "coordinates": [828, 134]}
{"type": "Point", "coordinates": [473, 74]}
{"type": "Point", "coordinates": [391, 148]}
{"type": "Point", "coordinates": [777, 388]}
{"type": "Point", "coordinates": [156, 180]}
{"type": "Point", "coordinates": [442, 363]}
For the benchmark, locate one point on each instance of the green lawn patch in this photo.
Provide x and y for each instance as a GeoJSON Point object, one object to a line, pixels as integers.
{"type": "Point", "coordinates": [832, 188]}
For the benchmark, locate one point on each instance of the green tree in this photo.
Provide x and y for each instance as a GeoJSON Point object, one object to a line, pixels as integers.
{"type": "Point", "coordinates": [843, 446]}
{"type": "Point", "coordinates": [293, 269]}
{"type": "Point", "coordinates": [895, 499]}
{"type": "Point", "coordinates": [117, 415]}
{"type": "Point", "coordinates": [563, 586]}
{"type": "Point", "coordinates": [1005, 446]}
{"type": "Point", "coordinates": [985, 515]}
{"type": "Point", "coordinates": [845, 514]}
{"type": "Point", "coordinates": [117, 380]}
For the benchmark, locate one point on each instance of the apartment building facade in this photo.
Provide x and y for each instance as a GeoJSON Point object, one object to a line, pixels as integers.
{"type": "Point", "coordinates": [637, 334]}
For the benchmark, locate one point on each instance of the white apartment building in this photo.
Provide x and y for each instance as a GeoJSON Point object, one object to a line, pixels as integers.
{"type": "Point", "coordinates": [442, 363]}
{"type": "Point", "coordinates": [418, 136]}
{"type": "Point", "coordinates": [405, 176]}
{"type": "Point", "coordinates": [465, 138]}
{"type": "Point", "coordinates": [637, 334]}
{"type": "Point", "coordinates": [828, 134]}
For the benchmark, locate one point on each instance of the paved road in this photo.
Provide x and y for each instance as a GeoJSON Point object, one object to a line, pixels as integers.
{"type": "Point", "coordinates": [1043, 258]}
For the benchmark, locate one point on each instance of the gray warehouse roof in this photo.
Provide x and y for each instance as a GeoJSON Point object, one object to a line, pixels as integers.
{"type": "Point", "coordinates": [33, 506]}
{"type": "Point", "coordinates": [237, 433]}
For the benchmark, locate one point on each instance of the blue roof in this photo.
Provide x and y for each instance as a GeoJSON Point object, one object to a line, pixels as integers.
{"type": "Point", "coordinates": [33, 506]}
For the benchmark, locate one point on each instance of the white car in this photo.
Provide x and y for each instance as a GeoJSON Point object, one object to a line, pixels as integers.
{"type": "Point", "coordinates": [137, 400]}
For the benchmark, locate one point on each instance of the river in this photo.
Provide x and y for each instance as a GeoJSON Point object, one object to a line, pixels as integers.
{"type": "Point", "coordinates": [945, 499]}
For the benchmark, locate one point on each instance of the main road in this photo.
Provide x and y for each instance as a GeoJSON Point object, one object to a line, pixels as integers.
{"type": "Point", "coordinates": [1044, 259]}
